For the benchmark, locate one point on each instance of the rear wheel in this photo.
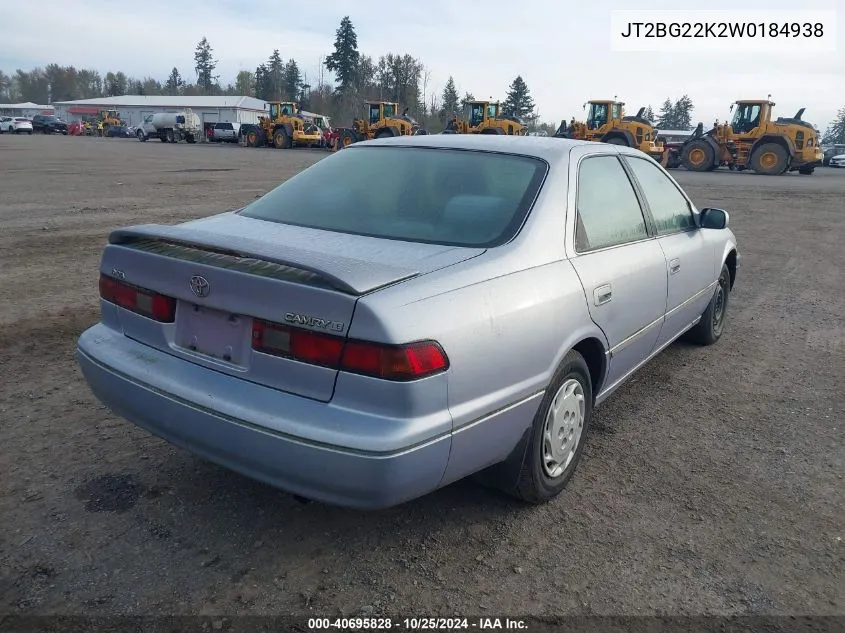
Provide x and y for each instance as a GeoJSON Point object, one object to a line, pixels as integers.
{"type": "Point", "coordinates": [170, 137]}
{"type": "Point", "coordinates": [558, 432]}
{"type": "Point", "coordinates": [698, 155]}
{"type": "Point", "coordinates": [709, 329]}
{"type": "Point", "coordinates": [345, 139]}
{"type": "Point", "coordinates": [383, 133]}
{"type": "Point", "coordinates": [770, 159]}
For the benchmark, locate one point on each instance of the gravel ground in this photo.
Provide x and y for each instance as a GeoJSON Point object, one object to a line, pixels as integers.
{"type": "Point", "coordinates": [712, 483]}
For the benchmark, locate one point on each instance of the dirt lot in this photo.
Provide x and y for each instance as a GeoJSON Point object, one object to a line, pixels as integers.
{"type": "Point", "coordinates": [712, 483]}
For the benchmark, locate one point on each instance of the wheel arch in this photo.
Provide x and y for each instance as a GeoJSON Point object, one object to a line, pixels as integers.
{"type": "Point", "coordinates": [731, 260]}
{"type": "Point", "coordinates": [783, 141]}
{"type": "Point", "coordinates": [623, 134]}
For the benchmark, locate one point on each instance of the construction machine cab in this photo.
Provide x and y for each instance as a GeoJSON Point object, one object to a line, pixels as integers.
{"type": "Point", "coordinates": [749, 115]}
{"type": "Point", "coordinates": [282, 109]}
{"type": "Point", "coordinates": [482, 112]}
{"type": "Point", "coordinates": [380, 110]}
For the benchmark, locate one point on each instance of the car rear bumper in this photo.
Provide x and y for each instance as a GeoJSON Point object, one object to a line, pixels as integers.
{"type": "Point", "coordinates": [120, 373]}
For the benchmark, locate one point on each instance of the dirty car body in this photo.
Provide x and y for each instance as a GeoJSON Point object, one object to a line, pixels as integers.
{"type": "Point", "coordinates": [365, 345]}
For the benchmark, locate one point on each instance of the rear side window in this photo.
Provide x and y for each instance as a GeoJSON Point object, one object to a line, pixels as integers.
{"type": "Point", "coordinates": [441, 196]}
{"type": "Point", "coordinates": [608, 212]}
{"type": "Point", "coordinates": [670, 210]}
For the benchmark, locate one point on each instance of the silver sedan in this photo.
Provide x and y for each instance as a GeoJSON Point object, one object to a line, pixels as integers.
{"type": "Point", "coordinates": [449, 305]}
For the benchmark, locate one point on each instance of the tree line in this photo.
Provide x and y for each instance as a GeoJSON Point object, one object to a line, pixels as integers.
{"type": "Point", "coordinates": [398, 77]}
{"type": "Point", "coordinates": [357, 77]}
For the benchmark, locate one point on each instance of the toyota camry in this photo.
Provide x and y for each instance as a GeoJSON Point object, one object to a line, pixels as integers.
{"type": "Point", "coordinates": [449, 305]}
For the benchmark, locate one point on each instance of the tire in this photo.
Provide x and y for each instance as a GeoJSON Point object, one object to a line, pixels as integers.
{"type": "Point", "coordinates": [345, 139]}
{"type": "Point", "coordinates": [709, 329]}
{"type": "Point", "coordinates": [698, 155]}
{"type": "Point", "coordinates": [546, 471]}
{"type": "Point", "coordinates": [383, 133]}
{"type": "Point", "coordinates": [170, 137]}
{"type": "Point", "coordinates": [141, 136]}
{"type": "Point", "coordinates": [770, 159]}
{"type": "Point", "coordinates": [281, 140]}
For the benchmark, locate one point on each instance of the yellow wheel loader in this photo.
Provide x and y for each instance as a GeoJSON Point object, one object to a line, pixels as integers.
{"type": "Point", "coordinates": [753, 141]}
{"type": "Point", "coordinates": [606, 123]}
{"type": "Point", "coordinates": [284, 127]}
{"type": "Point", "coordinates": [485, 117]}
{"type": "Point", "coordinates": [382, 121]}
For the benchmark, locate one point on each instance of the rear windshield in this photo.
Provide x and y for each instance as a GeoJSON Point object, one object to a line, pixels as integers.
{"type": "Point", "coordinates": [440, 196]}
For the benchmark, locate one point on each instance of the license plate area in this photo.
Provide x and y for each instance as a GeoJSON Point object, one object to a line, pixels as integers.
{"type": "Point", "coordinates": [215, 334]}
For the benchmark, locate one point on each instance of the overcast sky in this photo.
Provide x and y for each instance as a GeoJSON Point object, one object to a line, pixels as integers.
{"type": "Point", "coordinates": [560, 47]}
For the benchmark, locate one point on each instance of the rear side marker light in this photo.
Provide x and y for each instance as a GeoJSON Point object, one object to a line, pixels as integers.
{"type": "Point", "coordinates": [138, 300]}
{"type": "Point", "coordinates": [389, 362]}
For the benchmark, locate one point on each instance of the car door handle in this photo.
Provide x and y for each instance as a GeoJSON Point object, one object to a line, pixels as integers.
{"type": "Point", "coordinates": [602, 294]}
{"type": "Point", "coordinates": [674, 266]}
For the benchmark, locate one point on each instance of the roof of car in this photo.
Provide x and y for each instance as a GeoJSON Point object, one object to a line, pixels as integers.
{"type": "Point", "coordinates": [547, 148]}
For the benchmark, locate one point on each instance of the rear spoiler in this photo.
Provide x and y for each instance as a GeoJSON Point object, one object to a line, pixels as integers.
{"type": "Point", "coordinates": [346, 275]}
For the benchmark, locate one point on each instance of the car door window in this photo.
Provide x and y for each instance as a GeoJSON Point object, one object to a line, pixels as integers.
{"type": "Point", "coordinates": [608, 211]}
{"type": "Point", "coordinates": [669, 208]}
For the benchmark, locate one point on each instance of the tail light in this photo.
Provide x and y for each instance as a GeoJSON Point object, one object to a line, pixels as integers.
{"type": "Point", "coordinates": [389, 362]}
{"type": "Point", "coordinates": [139, 300]}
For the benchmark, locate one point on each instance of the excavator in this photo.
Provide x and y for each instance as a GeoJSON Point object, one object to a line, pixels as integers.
{"type": "Point", "coordinates": [284, 127]}
{"type": "Point", "coordinates": [382, 121]}
{"type": "Point", "coordinates": [753, 141]}
{"type": "Point", "coordinates": [606, 123]}
{"type": "Point", "coordinates": [485, 117]}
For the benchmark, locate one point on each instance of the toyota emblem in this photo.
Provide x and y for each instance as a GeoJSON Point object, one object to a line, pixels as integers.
{"type": "Point", "coordinates": [200, 286]}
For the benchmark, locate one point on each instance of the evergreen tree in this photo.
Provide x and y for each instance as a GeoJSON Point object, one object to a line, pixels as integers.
{"type": "Point", "coordinates": [682, 111]}
{"type": "Point", "coordinates": [666, 118]}
{"type": "Point", "coordinates": [204, 66]}
{"type": "Point", "coordinates": [174, 82]}
{"type": "Point", "coordinates": [467, 98]}
{"type": "Point", "coordinates": [648, 115]}
{"type": "Point", "coordinates": [519, 102]}
{"type": "Point", "coordinates": [835, 132]}
{"type": "Point", "coordinates": [263, 89]}
{"type": "Point", "coordinates": [344, 60]}
{"type": "Point", "coordinates": [292, 81]}
{"type": "Point", "coordinates": [275, 76]}
{"type": "Point", "coordinates": [451, 100]}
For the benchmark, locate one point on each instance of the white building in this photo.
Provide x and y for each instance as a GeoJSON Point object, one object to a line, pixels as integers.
{"type": "Point", "coordinates": [27, 109]}
{"type": "Point", "coordinates": [133, 108]}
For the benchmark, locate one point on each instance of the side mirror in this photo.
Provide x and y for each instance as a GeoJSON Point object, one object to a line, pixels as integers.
{"type": "Point", "coordinates": [714, 218]}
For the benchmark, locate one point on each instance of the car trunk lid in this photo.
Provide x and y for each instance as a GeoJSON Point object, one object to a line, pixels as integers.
{"type": "Point", "coordinates": [229, 273]}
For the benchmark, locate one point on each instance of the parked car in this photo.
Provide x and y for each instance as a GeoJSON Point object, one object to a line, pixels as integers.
{"type": "Point", "coordinates": [837, 161]}
{"type": "Point", "coordinates": [15, 124]}
{"type": "Point", "coordinates": [831, 151]}
{"type": "Point", "coordinates": [365, 345]}
{"type": "Point", "coordinates": [119, 131]}
{"type": "Point", "coordinates": [48, 124]}
{"type": "Point", "coordinates": [225, 132]}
